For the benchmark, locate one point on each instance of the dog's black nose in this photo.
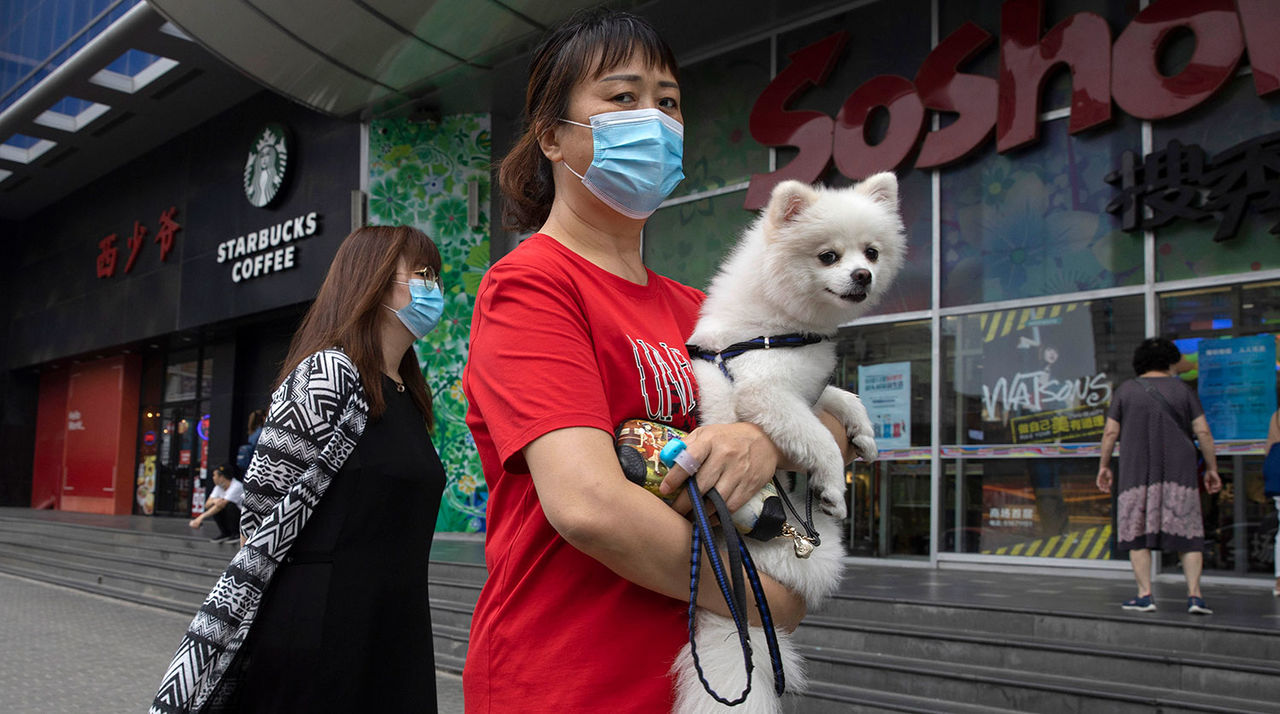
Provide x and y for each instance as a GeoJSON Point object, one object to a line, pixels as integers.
{"type": "Point", "coordinates": [862, 276]}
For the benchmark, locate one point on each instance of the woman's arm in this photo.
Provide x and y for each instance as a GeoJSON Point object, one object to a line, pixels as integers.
{"type": "Point", "coordinates": [591, 505]}
{"type": "Point", "coordinates": [1273, 432]}
{"type": "Point", "coordinates": [1110, 435]}
{"type": "Point", "coordinates": [1212, 482]}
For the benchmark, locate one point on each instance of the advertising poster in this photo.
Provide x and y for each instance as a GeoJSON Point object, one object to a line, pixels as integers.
{"type": "Point", "coordinates": [146, 487]}
{"type": "Point", "coordinates": [885, 390]}
{"type": "Point", "coordinates": [1237, 385]}
{"type": "Point", "coordinates": [1038, 378]}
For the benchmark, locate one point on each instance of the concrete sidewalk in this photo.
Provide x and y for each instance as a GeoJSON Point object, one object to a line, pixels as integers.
{"type": "Point", "coordinates": [64, 650]}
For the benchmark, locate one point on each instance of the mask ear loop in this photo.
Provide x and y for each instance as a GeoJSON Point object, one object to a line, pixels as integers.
{"type": "Point", "coordinates": [566, 163]}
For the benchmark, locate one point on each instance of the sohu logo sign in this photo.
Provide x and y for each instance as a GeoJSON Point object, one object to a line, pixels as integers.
{"type": "Point", "coordinates": [1126, 71]}
{"type": "Point", "coordinates": [265, 169]}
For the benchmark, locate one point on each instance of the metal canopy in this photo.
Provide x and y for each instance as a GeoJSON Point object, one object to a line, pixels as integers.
{"type": "Point", "coordinates": [364, 58]}
{"type": "Point", "coordinates": [47, 153]}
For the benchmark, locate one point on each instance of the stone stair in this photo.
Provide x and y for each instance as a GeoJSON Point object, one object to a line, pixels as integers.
{"type": "Point", "coordinates": [173, 572]}
{"type": "Point", "coordinates": [921, 650]}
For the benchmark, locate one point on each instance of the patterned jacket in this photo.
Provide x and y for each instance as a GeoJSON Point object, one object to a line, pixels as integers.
{"type": "Point", "coordinates": [316, 417]}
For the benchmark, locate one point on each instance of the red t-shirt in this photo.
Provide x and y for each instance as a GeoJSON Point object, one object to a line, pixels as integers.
{"type": "Point", "coordinates": [558, 342]}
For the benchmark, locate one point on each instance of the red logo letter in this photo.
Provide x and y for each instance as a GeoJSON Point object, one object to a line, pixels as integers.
{"type": "Point", "coordinates": [1082, 42]}
{"type": "Point", "coordinates": [1141, 90]}
{"type": "Point", "coordinates": [810, 131]}
{"type": "Point", "coordinates": [855, 156]}
{"type": "Point", "coordinates": [943, 89]}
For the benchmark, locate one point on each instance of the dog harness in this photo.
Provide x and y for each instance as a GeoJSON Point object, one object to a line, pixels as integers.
{"type": "Point", "coordinates": [794, 339]}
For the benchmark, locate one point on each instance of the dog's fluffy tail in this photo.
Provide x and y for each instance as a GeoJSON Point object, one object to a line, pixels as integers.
{"type": "Point", "coordinates": [721, 657]}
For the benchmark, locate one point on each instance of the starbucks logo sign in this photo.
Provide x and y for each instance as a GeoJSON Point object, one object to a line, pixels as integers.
{"type": "Point", "coordinates": [264, 170]}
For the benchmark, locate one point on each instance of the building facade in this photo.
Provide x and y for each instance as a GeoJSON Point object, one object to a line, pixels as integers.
{"type": "Point", "coordinates": [1075, 175]}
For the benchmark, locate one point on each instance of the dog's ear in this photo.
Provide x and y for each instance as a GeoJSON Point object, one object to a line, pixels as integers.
{"type": "Point", "coordinates": [881, 188]}
{"type": "Point", "coordinates": [788, 200]}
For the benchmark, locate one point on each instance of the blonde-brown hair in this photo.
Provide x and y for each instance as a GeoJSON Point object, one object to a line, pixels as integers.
{"type": "Point", "coordinates": [347, 309]}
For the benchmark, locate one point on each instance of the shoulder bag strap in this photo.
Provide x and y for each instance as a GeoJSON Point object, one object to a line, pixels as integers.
{"type": "Point", "coordinates": [1168, 408]}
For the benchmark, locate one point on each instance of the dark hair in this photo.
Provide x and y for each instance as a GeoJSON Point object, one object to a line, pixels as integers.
{"type": "Point", "coordinates": [1155, 353]}
{"type": "Point", "coordinates": [227, 469]}
{"type": "Point", "coordinates": [588, 44]}
{"type": "Point", "coordinates": [348, 309]}
{"type": "Point", "coordinates": [257, 418]}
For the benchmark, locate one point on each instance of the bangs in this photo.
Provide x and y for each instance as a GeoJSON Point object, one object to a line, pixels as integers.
{"type": "Point", "coordinates": [420, 252]}
{"type": "Point", "coordinates": [611, 40]}
{"type": "Point", "coordinates": [619, 47]}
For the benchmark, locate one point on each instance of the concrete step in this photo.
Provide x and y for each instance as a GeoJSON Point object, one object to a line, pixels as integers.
{"type": "Point", "coordinates": [449, 641]}
{"type": "Point", "coordinates": [957, 681]}
{"type": "Point", "coordinates": [188, 550]}
{"type": "Point", "coordinates": [199, 576]}
{"type": "Point", "coordinates": [118, 583]}
{"type": "Point", "coordinates": [1193, 672]}
{"type": "Point", "coordinates": [472, 573]}
{"type": "Point", "coordinates": [44, 576]}
{"type": "Point", "coordinates": [828, 698]}
{"type": "Point", "coordinates": [1188, 634]}
{"type": "Point", "coordinates": [465, 593]}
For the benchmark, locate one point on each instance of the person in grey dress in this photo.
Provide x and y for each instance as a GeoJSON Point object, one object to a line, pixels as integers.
{"type": "Point", "coordinates": [1158, 507]}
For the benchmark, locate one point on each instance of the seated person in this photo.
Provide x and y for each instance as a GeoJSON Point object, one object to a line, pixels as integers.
{"type": "Point", "coordinates": [223, 504]}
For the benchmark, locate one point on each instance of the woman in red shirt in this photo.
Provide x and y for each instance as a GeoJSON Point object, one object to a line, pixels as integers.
{"type": "Point", "coordinates": [585, 605]}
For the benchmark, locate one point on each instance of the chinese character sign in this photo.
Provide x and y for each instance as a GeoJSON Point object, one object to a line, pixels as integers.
{"type": "Point", "coordinates": [1237, 385]}
{"type": "Point", "coordinates": [109, 251]}
{"type": "Point", "coordinates": [885, 390]}
{"type": "Point", "coordinates": [1181, 182]}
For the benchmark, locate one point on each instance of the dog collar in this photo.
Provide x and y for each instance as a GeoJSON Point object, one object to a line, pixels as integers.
{"type": "Point", "coordinates": [794, 339]}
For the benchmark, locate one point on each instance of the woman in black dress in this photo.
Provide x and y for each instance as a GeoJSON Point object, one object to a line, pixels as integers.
{"type": "Point", "coordinates": [1158, 500]}
{"type": "Point", "coordinates": [325, 608]}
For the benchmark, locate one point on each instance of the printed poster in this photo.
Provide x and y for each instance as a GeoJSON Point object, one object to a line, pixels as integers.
{"type": "Point", "coordinates": [885, 390]}
{"type": "Point", "coordinates": [1237, 385]}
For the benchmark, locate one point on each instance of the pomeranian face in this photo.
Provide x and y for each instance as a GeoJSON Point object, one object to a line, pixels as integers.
{"type": "Point", "coordinates": [833, 252]}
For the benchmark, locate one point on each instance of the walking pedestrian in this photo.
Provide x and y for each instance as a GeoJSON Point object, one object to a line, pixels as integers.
{"type": "Point", "coordinates": [1158, 505]}
{"type": "Point", "coordinates": [586, 603]}
{"type": "Point", "coordinates": [325, 609]}
{"type": "Point", "coordinates": [1272, 489]}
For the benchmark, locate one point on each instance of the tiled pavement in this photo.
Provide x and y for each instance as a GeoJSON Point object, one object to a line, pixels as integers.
{"type": "Point", "coordinates": [63, 650]}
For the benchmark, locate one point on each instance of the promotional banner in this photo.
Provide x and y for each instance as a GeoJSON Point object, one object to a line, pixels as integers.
{"type": "Point", "coordinates": [885, 390]}
{"type": "Point", "coordinates": [1039, 378]}
{"type": "Point", "coordinates": [1237, 385]}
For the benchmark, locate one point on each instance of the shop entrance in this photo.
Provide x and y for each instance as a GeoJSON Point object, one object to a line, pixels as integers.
{"type": "Point", "coordinates": [173, 447]}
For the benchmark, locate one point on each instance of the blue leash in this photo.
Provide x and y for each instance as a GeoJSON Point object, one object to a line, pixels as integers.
{"type": "Point", "coordinates": [731, 585]}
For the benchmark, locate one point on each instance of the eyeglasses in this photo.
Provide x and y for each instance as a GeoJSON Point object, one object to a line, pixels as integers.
{"type": "Point", "coordinates": [429, 277]}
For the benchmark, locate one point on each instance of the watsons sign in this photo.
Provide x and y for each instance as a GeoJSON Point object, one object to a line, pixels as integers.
{"type": "Point", "coordinates": [268, 250]}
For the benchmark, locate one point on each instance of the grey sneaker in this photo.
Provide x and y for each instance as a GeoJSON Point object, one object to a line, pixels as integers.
{"type": "Point", "coordinates": [1140, 604]}
{"type": "Point", "coordinates": [1196, 606]}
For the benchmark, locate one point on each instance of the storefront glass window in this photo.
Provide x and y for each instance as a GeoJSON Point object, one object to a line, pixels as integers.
{"type": "Point", "coordinates": [1033, 222]}
{"type": "Point", "coordinates": [1230, 120]}
{"type": "Point", "coordinates": [1218, 329]}
{"type": "Point", "coordinates": [687, 241]}
{"type": "Point", "coordinates": [1036, 376]}
{"type": "Point", "coordinates": [716, 97]}
{"type": "Point", "coordinates": [889, 367]}
{"type": "Point", "coordinates": [1029, 507]}
{"type": "Point", "coordinates": [180, 379]}
{"type": "Point", "coordinates": [1025, 393]}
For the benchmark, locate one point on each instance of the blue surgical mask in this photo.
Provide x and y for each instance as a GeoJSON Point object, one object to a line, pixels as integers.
{"type": "Point", "coordinates": [426, 303]}
{"type": "Point", "coordinates": [638, 161]}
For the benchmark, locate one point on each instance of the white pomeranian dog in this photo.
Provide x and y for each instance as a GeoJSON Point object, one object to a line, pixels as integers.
{"type": "Point", "coordinates": [815, 259]}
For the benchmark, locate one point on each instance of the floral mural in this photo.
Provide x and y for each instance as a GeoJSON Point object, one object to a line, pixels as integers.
{"type": "Point", "coordinates": [1033, 222]}
{"type": "Point", "coordinates": [418, 176]}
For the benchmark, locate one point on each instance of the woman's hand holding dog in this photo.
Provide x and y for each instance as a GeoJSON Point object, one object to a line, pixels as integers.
{"type": "Point", "coordinates": [737, 460]}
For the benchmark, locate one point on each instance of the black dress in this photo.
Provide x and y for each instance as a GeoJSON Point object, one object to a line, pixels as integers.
{"type": "Point", "coordinates": [345, 625]}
